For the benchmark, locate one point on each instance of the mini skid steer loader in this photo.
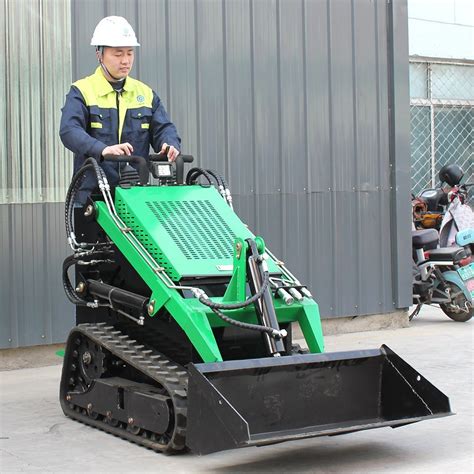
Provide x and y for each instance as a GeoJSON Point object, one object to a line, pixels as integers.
{"type": "Point", "coordinates": [184, 326]}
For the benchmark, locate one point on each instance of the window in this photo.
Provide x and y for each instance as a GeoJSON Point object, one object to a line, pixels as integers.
{"type": "Point", "coordinates": [442, 119]}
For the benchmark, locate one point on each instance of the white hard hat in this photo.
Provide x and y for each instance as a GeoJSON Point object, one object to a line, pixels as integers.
{"type": "Point", "coordinates": [114, 31]}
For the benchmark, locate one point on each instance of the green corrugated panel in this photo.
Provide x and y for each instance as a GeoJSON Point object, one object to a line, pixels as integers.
{"type": "Point", "coordinates": [189, 230]}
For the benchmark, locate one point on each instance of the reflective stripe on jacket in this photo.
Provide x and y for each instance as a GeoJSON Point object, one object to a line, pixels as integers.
{"type": "Point", "coordinates": [95, 116]}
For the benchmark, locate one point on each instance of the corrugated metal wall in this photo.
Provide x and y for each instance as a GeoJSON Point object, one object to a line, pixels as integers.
{"type": "Point", "coordinates": [33, 308]}
{"type": "Point", "coordinates": [35, 68]}
{"type": "Point", "coordinates": [303, 105]}
{"type": "Point", "coordinates": [35, 169]}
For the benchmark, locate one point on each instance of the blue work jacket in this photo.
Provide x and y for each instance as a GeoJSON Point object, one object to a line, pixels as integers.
{"type": "Point", "coordinates": [95, 116]}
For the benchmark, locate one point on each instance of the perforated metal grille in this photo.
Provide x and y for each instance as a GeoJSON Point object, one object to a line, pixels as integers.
{"type": "Point", "coordinates": [144, 239]}
{"type": "Point", "coordinates": [195, 227]}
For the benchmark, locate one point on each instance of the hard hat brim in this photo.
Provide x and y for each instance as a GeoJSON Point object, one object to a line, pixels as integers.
{"type": "Point", "coordinates": [121, 45]}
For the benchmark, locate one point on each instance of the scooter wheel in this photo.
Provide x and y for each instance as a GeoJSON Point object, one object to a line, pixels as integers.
{"type": "Point", "coordinates": [459, 309]}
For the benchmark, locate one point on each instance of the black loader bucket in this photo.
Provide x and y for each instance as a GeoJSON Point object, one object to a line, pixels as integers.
{"type": "Point", "coordinates": [263, 401]}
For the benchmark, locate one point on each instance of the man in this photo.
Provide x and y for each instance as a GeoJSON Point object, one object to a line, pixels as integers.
{"type": "Point", "coordinates": [109, 113]}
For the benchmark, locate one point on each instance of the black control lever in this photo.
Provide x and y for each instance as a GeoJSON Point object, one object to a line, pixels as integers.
{"type": "Point", "coordinates": [143, 171]}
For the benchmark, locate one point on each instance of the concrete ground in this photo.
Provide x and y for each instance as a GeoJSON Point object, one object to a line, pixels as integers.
{"type": "Point", "coordinates": [35, 436]}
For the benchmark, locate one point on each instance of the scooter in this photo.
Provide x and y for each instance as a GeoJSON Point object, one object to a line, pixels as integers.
{"type": "Point", "coordinates": [428, 208]}
{"type": "Point", "coordinates": [458, 216]}
{"type": "Point", "coordinates": [443, 276]}
{"type": "Point", "coordinates": [437, 208]}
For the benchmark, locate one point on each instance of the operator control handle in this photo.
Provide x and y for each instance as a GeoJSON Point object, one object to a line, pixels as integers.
{"type": "Point", "coordinates": [143, 172]}
{"type": "Point", "coordinates": [123, 158]}
{"type": "Point", "coordinates": [163, 158]}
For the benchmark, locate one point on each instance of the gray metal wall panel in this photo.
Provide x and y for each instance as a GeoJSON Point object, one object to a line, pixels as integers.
{"type": "Point", "coordinates": [296, 208]}
{"type": "Point", "coordinates": [381, 94]}
{"type": "Point", "coordinates": [292, 95]}
{"type": "Point", "coordinates": [266, 112]}
{"type": "Point", "coordinates": [210, 66]}
{"type": "Point", "coordinates": [294, 101]}
{"type": "Point", "coordinates": [342, 95]}
{"type": "Point", "coordinates": [34, 309]}
{"type": "Point", "coordinates": [399, 129]}
{"type": "Point", "coordinates": [345, 255]}
{"type": "Point", "coordinates": [240, 137]}
{"type": "Point", "coordinates": [6, 290]}
{"type": "Point", "coordinates": [365, 72]}
{"type": "Point", "coordinates": [246, 209]}
{"type": "Point", "coordinates": [321, 250]}
{"type": "Point", "coordinates": [269, 220]}
{"type": "Point", "coordinates": [3, 105]}
{"type": "Point", "coordinates": [182, 104]}
{"type": "Point", "coordinates": [85, 14]}
{"type": "Point", "coordinates": [318, 97]}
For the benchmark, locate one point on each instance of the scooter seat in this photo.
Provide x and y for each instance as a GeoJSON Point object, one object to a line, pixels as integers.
{"type": "Point", "coordinates": [447, 254]}
{"type": "Point", "coordinates": [427, 239]}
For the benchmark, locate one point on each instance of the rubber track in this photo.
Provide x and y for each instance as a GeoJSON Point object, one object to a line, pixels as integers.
{"type": "Point", "coordinates": [147, 361]}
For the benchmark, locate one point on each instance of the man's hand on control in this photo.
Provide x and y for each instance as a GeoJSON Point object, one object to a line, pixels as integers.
{"type": "Point", "coordinates": [172, 152]}
{"type": "Point", "coordinates": [119, 149]}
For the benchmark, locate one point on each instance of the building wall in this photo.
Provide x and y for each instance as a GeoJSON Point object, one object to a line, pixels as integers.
{"type": "Point", "coordinates": [303, 106]}
{"type": "Point", "coordinates": [35, 71]}
{"type": "Point", "coordinates": [441, 28]}
{"type": "Point", "coordinates": [441, 44]}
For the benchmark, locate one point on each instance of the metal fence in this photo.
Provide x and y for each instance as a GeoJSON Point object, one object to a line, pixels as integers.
{"type": "Point", "coordinates": [442, 119]}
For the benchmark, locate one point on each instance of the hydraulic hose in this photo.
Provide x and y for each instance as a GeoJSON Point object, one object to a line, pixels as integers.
{"type": "Point", "coordinates": [89, 164]}
{"type": "Point", "coordinates": [253, 327]}
{"type": "Point", "coordinates": [229, 306]}
{"type": "Point", "coordinates": [68, 288]}
{"type": "Point", "coordinates": [71, 194]}
{"type": "Point", "coordinates": [195, 173]}
{"type": "Point", "coordinates": [217, 177]}
{"type": "Point", "coordinates": [223, 187]}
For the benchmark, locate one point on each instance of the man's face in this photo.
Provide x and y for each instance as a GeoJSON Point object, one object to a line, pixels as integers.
{"type": "Point", "coordinates": [118, 61]}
